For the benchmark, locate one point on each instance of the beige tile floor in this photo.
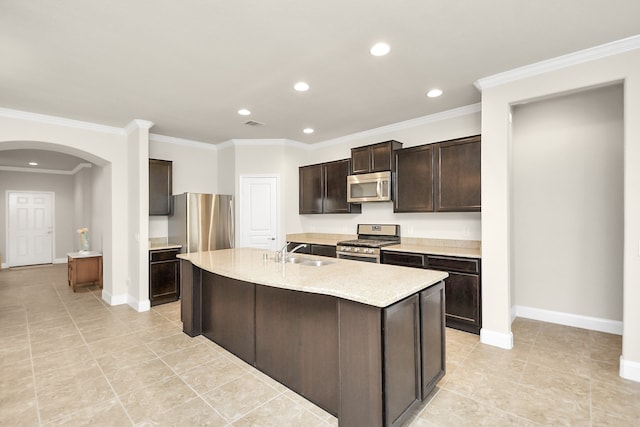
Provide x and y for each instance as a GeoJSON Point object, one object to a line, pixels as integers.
{"type": "Point", "coordinates": [69, 359]}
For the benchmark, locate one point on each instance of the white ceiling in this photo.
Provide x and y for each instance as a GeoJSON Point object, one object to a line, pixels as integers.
{"type": "Point", "coordinates": [188, 66]}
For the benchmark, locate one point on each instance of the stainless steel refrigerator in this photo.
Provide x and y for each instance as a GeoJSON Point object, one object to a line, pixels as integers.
{"type": "Point", "coordinates": [202, 222]}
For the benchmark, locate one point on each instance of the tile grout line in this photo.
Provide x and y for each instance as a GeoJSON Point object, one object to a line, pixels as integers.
{"type": "Point", "coordinates": [94, 359]}
{"type": "Point", "coordinates": [199, 396]}
{"type": "Point", "coordinates": [33, 369]}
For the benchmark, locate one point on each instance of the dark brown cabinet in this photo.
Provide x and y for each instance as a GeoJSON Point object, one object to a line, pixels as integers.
{"type": "Point", "coordinates": [228, 314]}
{"type": "Point", "coordinates": [463, 309]}
{"type": "Point", "coordinates": [439, 177]}
{"type": "Point", "coordinates": [160, 187]}
{"type": "Point", "coordinates": [311, 190]}
{"type": "Point", "coordinates": [323, 188]}
{"type": "Point", "coordinates": [164, 276]}
{"type": "Point", "coordinates": [374, 158]}
{"type": "Point", "coordinates": [314, 249]}
{"type": "Point", "coordinates": [369, 366]}
{"type": "Point", "coordinates": [458, 175]}
{"type": "Point", "coordinates": [413, 184]}
{"type": "Point", "coordinates": [297, 343]}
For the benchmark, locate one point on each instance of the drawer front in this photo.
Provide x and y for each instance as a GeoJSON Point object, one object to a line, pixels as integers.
{"type": "Point", "coordinates": [464, 265]}
{"type": "Point", "coordinates": [163, 255]}
{"type": "Point", "coordinates": [404, 259]}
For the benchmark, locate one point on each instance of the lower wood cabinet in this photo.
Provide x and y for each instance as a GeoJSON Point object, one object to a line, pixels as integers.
{"type": "Point", "coordinates": [462, 287]}
{"type": "Point", "coordinates": [84, 269]}
{"type": "Point", "coordinates": [367, 365]}
{"type": "Point", "coordinates": [313, 249]}
{"type": "Point", "coordinates": [164, 276]}
{"type": "Point", "coordinates": [228, 314]}
{"type": "Point", "coordinates": [297, 343]}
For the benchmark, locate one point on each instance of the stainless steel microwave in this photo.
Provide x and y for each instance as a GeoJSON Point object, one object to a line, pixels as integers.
{"type": "Point", "coordinates": [369, 187]}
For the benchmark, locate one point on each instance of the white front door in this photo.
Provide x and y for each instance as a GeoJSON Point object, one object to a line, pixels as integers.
{"type": "Point", "coordinates": [259, 212]}
{"type": "Point", "coordinates": [30, 228]}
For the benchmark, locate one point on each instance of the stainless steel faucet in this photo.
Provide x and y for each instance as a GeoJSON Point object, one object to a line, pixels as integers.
{"type": "Point", "coordinates": [282, 254]}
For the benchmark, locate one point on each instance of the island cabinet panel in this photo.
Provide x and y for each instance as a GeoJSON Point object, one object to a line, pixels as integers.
{"type": "Point", "coordinates": [297, 343]}
{"type": "Point", "coordinates": [228, 314]}
{"type": "Point", "coordinates": [191, 299]}
{"type": "Point", "coordinates": [432, 309]}
{"type": "Point", "coordinates": [381, 355]}
{"type": "Point", "coordinates": [360, 365]}
{"type": "Point", "coordinates": [402, 371]}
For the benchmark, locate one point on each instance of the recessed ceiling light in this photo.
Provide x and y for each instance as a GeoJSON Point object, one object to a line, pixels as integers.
{"type": "Point", "coordinates": [308, 130]}
{"type": "Point", "coordinates": [301, 87]}
{"type": "Point", "coordinates": [244, 112]}
{"type": "Point", "coordinates": [33, 163]}
{"type": "Point", "coordinates": [380, 49]}
{"type": "Point", "coordinates": [434, 93]}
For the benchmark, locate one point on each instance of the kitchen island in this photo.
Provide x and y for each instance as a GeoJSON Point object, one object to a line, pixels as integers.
{"type": "Point", "coordinates": [363, 341]}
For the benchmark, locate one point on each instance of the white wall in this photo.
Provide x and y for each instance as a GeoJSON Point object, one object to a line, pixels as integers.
{"type": "Point", "coordinates": [82, 207]}
{"type": "Point", "coordinates": [567, 204]}
{"type": "Point", "coordinates": [497, 98]}
{"type": "Point", "coordinates": [101, 145]}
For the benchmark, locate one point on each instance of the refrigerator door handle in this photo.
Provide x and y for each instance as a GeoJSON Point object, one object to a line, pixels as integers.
{"type": "Point", "coordinates": [232, 242]}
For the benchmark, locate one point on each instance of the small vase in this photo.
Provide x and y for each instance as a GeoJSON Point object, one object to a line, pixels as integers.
{"type": "Point", "coordinates": [84, 242]}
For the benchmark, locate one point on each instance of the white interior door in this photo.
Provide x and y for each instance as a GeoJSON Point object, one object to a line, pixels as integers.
{"type": "Point", "coordinates": [259, 212]}
{"type": "Point", "coordinates": [30, 228]}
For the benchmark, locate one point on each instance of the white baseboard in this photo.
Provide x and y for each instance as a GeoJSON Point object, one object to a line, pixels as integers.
{"type": "Point", "coordinates": [114, 299]}
{"type": "Point", "coordinates": [60, 260]}
{"type": "Point", "coordinates": [629, 370]}
{"type": "Point", "coordinates": [496, 339]}
{"type": "Point", "coordinates": [569, 319]}
{"type": "Point", "coordinates": [144, 305]}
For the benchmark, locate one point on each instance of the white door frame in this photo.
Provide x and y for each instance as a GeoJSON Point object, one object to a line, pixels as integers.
{"type": "Point", "coordinates": [9, 262]}
{"type": "Point", "coordinates": [242, 179]}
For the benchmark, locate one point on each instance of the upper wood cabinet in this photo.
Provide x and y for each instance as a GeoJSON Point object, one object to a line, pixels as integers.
{"type": "Point", "coordinates": [160, 187]}
{"type": "Point", "coordinates": [458, 175]}
{"type": "Point", "coordinates": [374, 158]}
{"type": "Point", "coordinates": [323, 188]}
{"type": "Point", "coordinates": [413, 184]}
{"type": "Point", "coordinates": [439, 177]}
{"type": "Point", "coordinates": [311, 189]}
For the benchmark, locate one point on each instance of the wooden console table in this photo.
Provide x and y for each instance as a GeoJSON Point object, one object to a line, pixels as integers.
{"type": "Point", "coordinates": [84, 269]}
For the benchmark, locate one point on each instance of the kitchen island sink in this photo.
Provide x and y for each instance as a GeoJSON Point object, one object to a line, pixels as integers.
{"type": "Point", "coordinates": [364, 342]}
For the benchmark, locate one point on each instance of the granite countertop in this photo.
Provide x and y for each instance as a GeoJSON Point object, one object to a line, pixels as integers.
{"type": "Point", "coordinates": [159, 246]}
{"type": "Point", "coordinates": [447, 247]}
{"type": "Point", "coordinates": [461, 252]}
{"type": "Point", "coordinates": [88, 254]}
{"type": "Point", "coordinates": [372, 284]}
{"type": "Point", "coordinates": [320, 238]}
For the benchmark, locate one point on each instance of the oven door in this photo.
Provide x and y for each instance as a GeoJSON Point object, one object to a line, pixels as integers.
{"type": "Point", "coordinates": [373, 258]}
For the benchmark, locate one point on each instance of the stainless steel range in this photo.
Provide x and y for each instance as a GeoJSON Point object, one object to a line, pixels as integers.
{"type": "Point", "coordinates": [371, 237]}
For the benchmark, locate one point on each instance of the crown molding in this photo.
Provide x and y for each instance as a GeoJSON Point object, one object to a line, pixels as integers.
{"type": "Point", "coordinates": [59, 121]}
{"type": "Point", "coordinates": [181, 141]}
{"type": "Point", "coordinates": [47, 171]}
{"type": "Point", "coordinates": [407, 124]}
{"type": "Point", "coordinates": [560, 62]}
{"type": "Point", "coordinates": [136, 124]}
